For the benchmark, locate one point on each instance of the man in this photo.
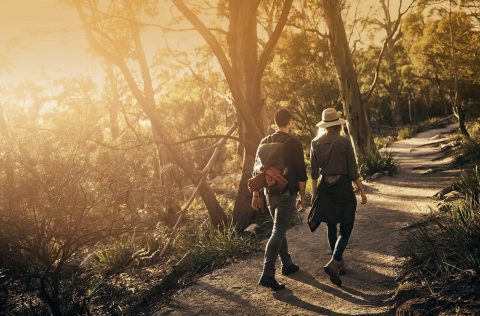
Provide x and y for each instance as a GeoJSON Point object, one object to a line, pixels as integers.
{"type": "Point", "coordinates": [282, 204]}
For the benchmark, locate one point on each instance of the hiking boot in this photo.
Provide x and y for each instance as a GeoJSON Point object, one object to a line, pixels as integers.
{"type": "Point", "coordinates": [290, 269]}
{"type": "Point", "coordinates": [332, 268]}
{"type": "Point", "coordinates": [342, 270]}
{"type": "Point", "coordinates": [271, 283]}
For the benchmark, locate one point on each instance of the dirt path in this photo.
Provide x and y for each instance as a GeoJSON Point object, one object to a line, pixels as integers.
{"type": "Point", "coordinates": [371, 256]}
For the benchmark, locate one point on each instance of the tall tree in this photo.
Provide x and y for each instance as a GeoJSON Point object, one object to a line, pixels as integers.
{"type": "Point", "coordinates": [144, 92]}
{"type": "Point", "coordinates": [354, 108]}
{"type": "Point", "coordinates": [391, 26]}
{"type": "Point", "coordinates": [243, 70]}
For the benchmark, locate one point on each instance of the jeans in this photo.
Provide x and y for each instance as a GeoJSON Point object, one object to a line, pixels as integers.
{"type": "Point", "coordinates": [281, 209]}
{"type": "Point", "coordinates": [338, 245]}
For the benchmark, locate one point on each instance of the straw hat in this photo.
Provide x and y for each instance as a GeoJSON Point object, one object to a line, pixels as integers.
{"type": "Point", "coordinates": [330, 118]}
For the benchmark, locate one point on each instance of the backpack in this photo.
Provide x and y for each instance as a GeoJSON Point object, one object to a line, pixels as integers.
{"type": "Point", "coordinates": [269, 168]}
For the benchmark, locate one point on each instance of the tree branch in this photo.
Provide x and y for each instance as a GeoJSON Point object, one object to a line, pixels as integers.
{"type": "Point", "coordinates": [265, 55]}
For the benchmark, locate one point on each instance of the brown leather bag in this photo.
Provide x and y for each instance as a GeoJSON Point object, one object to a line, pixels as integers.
{"type": "Point", "coordinates": [257, 182]}
{"type": "Point", "coordinates": [275, 180]}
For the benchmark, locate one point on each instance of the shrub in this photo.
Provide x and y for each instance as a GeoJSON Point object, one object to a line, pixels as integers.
{"type": "Point", "coordinates": [469, 186]}
{"type": "Point", "coordinates": [443, 258]}
{"type": "Point", "coordinates": [377, 162]}
{"type": "Point", "coordinates": [449, 246]}
{"type": "Point", "coordinates": [469, 151]}
{"type": "Point", "coordinates": [220, 246]}
{"type": "Point", "coordinates": [406, 132]}
{"type": "Point", "coordinates": [383, 142]}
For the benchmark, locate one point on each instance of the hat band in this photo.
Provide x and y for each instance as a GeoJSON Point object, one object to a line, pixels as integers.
{"type": "Point", "coordinates": [337, 119]}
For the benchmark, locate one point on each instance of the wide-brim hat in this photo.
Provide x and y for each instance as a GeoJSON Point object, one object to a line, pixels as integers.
{"type": "Point", "coordinates": [330, 118]}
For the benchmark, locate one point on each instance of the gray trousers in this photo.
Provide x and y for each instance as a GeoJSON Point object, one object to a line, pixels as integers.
{"type": "Point", "coordinates": [281, 207]}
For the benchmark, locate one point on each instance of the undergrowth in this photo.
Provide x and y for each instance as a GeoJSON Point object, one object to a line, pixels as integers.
{"type": "Point", "coordinates": [382, 162]}
{"type": "Point", "coordinates": [406, 132]}
{"type": "Point", "coordinates": [220, 246]}
{"type": "Point", "coordinates": [443, 254]}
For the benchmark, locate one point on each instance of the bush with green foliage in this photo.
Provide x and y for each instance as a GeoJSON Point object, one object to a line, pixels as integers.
{"type": "Point", "coordinates": [383, 141]}
{"type": "Point", "coordinates": [406, 132]}
{"type": "Point", "coordinates": [216, 247]}
{"type": "Point", "coordinates": [383, 162]}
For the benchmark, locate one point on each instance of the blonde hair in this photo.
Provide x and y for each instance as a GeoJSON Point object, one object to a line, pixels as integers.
{"type": "Point", "coordinates": [322, 130]}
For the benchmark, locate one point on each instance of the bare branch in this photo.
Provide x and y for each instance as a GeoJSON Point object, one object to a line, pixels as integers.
{"type": "Point", "coordinates": [265, 55]}
{"type": "Point", "coordinates": [205, 172]}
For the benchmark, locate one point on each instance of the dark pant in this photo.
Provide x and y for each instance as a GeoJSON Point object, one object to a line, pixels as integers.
{"type": "Point", "coordinates": [338, 245]}
{"type": "Point", "coordinates": [281, 207]}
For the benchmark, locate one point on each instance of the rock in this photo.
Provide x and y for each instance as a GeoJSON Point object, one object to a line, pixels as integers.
{"type": "Point", "coordinates": [428, 171]}
{"type": "Point", "coordinates": [252, 228]}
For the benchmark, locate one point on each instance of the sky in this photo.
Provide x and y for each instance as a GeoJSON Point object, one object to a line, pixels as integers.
{"type": "Point", "coordinates": [40, 39]}
{"type": "Point", "coordinates": [44, 39]}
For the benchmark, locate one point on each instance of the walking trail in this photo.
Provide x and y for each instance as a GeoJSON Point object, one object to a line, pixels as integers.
{"type": "Point", "coordinates": [371, 256]}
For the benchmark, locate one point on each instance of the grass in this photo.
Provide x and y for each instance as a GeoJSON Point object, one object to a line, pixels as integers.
{"type": "Point", "coordinates": [384, 141]}
{"type": "Point", "coordinates": [373, 163]}
{"type": "Point", "coordinates": [219, 246]}
{"type": "Point", "coordinates": [443, 255]}
{"type": "Point", "coordinates": [469, 186]}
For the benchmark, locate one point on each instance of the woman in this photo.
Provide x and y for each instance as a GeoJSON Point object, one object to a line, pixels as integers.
{"type": "Point", "coordinates": [334, 202]}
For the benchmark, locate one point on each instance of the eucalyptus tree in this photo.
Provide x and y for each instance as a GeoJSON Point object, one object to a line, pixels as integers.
{"type": "Point", "coordinates": [115, 33]}
{"type": "Point", "coordinates": [243, 63]}
{"type": "Point", "coordinates": [446, 51]}
{"type": "Point", "coordinates": [353, 105]}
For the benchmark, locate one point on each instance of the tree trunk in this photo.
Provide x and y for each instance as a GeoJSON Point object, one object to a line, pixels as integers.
{"type": "Point", "coordinates": [410, 108]}
{"type": "Point", "coordinates": [244, 58]}
{"type": "Point", "coordinates": [243, 72]}
{"type": "Point", "coordinates": [358, 125]}
{"type": "Point", "coordinates": [394, 88]}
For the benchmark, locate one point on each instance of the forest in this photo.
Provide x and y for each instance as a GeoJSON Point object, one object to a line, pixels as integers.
{"type": "Point", "coordinates": [115, 193]}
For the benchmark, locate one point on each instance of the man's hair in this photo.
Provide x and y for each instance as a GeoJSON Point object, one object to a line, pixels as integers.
{"type": "Point", "coordinates": [282, 117]}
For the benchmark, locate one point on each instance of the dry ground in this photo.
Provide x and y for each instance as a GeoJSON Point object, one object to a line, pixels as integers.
{"type": "Point", "coordinates": [371, 256]}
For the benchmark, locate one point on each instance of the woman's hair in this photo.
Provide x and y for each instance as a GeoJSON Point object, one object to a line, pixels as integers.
{"type": "Point", "coordinates": [335, 128]}
{"type": "Point", "coordinates": [322, 131]}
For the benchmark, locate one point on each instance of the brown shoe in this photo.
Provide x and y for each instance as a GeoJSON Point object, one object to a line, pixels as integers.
{"type": "Point", "coordinates": [332, 268]}
{"type": "Point", "coordinates": [342, 270]}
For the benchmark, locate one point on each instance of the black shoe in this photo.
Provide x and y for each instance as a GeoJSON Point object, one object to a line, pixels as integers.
{"type": "Point", "coordinates": [290, 269]}
{"type": "Point", "coordinates": [271, 283]}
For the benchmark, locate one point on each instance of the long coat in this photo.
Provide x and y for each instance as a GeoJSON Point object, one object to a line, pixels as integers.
{"type": "Point", "coordinates": [334, 203]}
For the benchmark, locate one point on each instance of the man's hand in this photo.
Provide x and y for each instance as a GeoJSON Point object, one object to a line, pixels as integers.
{"type": "Point", "coordinates": [256, 201]}
{"type": "Point", "coordinates": [364, 197]}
